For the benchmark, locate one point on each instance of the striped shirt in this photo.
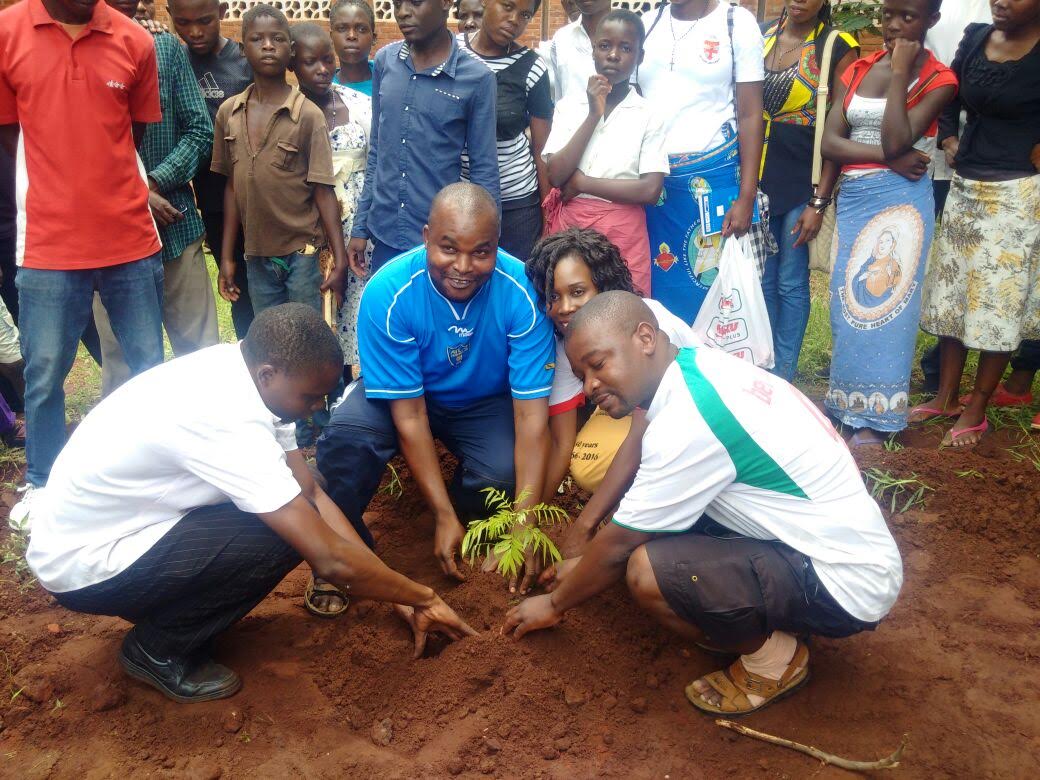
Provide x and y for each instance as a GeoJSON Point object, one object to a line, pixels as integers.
{"type": "Point", "coordinates": [523, 92]}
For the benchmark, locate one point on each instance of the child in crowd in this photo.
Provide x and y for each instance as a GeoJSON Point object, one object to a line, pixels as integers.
{"type": "Point", "coordinates": [525, 109]}
{"type": "Point", "coordinates": [881, 130]}
{"type": "Point", "coordinates": [348, 116]}
{"type": "Point", "coordinates": [353, 27]}
{"type": "Point", "coordinates": [221, 68]}
{"type": "Point", "coordinates": [567, 270]}
{"type": "Point", "coordinates": [273, 145]}
{"type": "Point", "coordinates": [606, 150]}
{"type": "Point", "coordinates": [431, 100]}
{"type": "Point", "coordinates": [570, 52]}
{"type": "Point", "coordinates": [469, 14]}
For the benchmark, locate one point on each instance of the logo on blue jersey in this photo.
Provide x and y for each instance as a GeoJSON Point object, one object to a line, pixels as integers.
{"type": "Point", "coordinates": [456, 353]}
{"type": "Point", "coordinates": [460, 331]}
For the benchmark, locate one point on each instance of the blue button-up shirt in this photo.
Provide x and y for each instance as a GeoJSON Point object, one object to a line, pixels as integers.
{"type": "Point", "coordinates": [421, 122]}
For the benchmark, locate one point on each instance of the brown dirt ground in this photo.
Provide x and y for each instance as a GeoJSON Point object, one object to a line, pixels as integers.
{"type": "Point", "coordinates": [954, 666]}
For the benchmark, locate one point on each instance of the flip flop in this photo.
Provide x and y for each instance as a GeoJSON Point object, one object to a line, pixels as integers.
{"type": "Point", "coordinates": [1001, 397]}
{"type": "Point", "coordinates": [952, 435]}
{"type": "Point", "coordinates": [323, 588]}
{"type": "Point", "coordinates": [931, 413]}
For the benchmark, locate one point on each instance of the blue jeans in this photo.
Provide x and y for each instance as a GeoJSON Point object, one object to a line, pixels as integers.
{"type": "Point", "coordinates": [785, 285]}
{"type": "Point", "coordinates": [55, 307]}
{"type": "Point", "coordinates": [294, 278]}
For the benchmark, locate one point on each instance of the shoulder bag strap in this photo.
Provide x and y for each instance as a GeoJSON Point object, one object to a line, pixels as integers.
{"type": "Point", "coordinates": [822, 96]}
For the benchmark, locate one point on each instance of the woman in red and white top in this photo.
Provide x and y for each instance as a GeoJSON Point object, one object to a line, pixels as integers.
{"type": "Point", "coordinates": [881, 130]}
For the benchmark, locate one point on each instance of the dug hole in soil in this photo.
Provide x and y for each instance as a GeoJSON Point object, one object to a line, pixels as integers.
{"type": "Point", "coordinates": [954, 666]}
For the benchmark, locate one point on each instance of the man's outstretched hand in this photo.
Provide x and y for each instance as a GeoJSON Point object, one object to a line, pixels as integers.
{"type": "Point", "coordinates": [529, 615]}
{"type": "Point", "coordinates": [433, 617]}
{"type": "Point", "coordinates": [447, 539]}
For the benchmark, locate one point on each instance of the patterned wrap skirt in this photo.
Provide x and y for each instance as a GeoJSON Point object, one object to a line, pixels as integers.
{"type": "Point", "coordinates": [983, 282]}
{"type": "Point", "coordinates": [885, 225]}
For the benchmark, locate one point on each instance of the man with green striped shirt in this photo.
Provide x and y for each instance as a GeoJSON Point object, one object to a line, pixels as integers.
{"type": "Point", "coordinates": [747, 526]}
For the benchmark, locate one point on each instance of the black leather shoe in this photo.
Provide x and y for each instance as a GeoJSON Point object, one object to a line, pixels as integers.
{"type": "Point", "coordinates": [181, 678]}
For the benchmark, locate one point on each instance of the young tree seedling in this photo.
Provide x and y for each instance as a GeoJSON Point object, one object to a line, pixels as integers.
{"type": "Point", "coordinates": [508, 534]}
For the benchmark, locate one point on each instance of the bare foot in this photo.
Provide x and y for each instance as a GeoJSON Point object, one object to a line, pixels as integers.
{"type": "Point", "coordinates": [867, 437]}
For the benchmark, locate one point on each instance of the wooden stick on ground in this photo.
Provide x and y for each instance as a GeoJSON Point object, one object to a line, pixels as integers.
{"type": "Point", "coordinates": [891, 762]}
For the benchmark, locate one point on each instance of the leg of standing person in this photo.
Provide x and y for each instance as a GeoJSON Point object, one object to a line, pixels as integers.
{"type": "Point", "coordinates": [114, 370]}
{"type": "Point", "coordinates": [55, 308]}
{"type": "Point", "coordinates": [189, 309]}
{"type": "Point", "coordinates": [9, 269]}
{"type": "Point", "coordinates": [132, 294]}
{"type": "Point", "coordinates": [189, 314]}
{"type": "Point", "coordinates": [242, 309]}
{"type": "Point", "coordinates": [304, 279]}
{"type": "Point", "coordinates": [1024, 365]}
{"type": "Point", "coordinates": [204, 575]}
{"type": "Point", "coordinates": [521, 229]}
{"type": "Point", "coordinates": [789, 310]}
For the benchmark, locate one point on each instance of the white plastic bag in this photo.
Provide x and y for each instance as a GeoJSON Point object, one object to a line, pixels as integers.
{"type": "Point", "coordinates": [733, 317]}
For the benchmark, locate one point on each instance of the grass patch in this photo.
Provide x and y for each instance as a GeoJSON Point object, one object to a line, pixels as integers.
{"type": "Point", "coordinates": [900, 493]}
{"type": "Point", "coordinates": [12, 560]}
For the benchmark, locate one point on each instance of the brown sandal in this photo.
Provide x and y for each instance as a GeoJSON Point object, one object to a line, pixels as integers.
{"type": "Point", "coordinates": [734, 685]}
{"type": "Point", "coordinates": [321, 588]}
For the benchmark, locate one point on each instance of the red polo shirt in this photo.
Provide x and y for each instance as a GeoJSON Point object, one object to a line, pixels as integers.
{"type": "Point", "coordinates": [82, 195]}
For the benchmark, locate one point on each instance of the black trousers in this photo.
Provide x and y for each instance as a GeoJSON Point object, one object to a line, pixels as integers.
{"type": "Point", "coordinates": [242, 309]}
{"type": "Point", "coordinates": [204, 575]}
{"type": "Point", "coordinates": [521, 229]}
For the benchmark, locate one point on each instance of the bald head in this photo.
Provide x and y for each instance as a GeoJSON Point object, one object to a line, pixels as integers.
{"type": "Point", "coordinates": [470, 201]}
{"type": "Point", "coordinates": [615, 345]}
{"type": "Point", "coordinates": [615, 312]}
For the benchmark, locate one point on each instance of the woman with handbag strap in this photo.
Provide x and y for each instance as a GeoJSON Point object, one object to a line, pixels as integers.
{"type": "Point", "coordinates": [702, 72]}
{"type": "Point", "coordinates": [802, 51]}
{"type": "Point", "coordinates": [883, 124]}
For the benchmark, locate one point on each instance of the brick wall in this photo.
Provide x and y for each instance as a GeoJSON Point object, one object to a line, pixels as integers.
{"type": "Point", "coordinates": [387, 32]}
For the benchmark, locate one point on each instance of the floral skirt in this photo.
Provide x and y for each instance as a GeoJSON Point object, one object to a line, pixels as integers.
{"type": "Point", "coordinates": [983, 283]}
{"type": "Point", "coordinates": [885, 225]}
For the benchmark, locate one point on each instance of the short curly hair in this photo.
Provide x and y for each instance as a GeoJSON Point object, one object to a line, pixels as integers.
{"type": "Point", "coordinates": [292, 337]}
{"type": "Point", "coordinates": [609, 271]}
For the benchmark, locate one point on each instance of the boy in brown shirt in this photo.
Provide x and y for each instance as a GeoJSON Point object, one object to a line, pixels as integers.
{"type": "Point", "coordinates": [272, 144]}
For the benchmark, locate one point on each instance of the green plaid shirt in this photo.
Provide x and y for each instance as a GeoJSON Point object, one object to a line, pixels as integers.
{"type": "Point", "coordinates": [172, 149]}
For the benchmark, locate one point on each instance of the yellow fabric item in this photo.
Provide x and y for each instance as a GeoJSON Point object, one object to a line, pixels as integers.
{"type": "Point", "coordinates": [594, 449]}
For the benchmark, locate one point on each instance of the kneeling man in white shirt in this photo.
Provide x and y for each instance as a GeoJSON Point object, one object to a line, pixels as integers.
{"type": "Point", "coordinates": [179, 509]}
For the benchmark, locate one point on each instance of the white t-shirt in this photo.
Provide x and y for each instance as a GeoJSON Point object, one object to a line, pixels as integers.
{"type": "Point", "coordinates": [625, 144]}
{"type": "Point", "coordinates": [567, 390]}
{"type": "Point", "coordinates": [943, 40]}
{"type": "Point", "coordinates": [192, 432]}
{"type": "Point", "coordinates": [697, 95]}
{"type": "Point", "coordinates": [757, 457]}
{"type": "Point", "coordinates": [570, 61]}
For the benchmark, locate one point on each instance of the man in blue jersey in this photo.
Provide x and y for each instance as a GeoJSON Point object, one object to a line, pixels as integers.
{"type": "Point", "coordinates": [454, 347]}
